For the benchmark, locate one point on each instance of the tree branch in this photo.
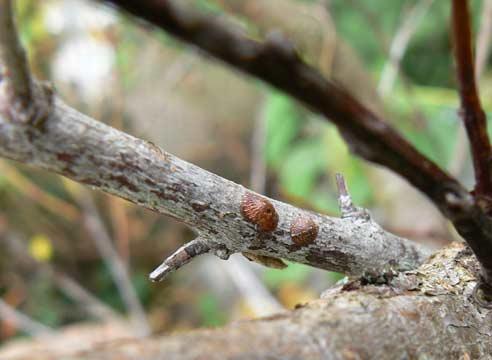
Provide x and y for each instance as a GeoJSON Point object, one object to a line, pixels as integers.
{"type": "Point", "coordinates": [92, 153]}
{"type": "Point", "coordinates": [276, 62]}
{"type": "Point", "coordinates": [20, 98]}
{"type": "Point", "coordinates": [483, 39]}
{"type": "Point", "coordinates": [471, 109]}
{"type": "Point", "coordinates": [403, 320]}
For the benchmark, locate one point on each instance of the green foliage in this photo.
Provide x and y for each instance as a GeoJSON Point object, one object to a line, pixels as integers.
{"type": "Point", "coordinates": [302, 167]}
{"type": "Point", "coordinates": [304, 151]}
{"type": "Point", "coordinates": [210, 310]}
{"type": "Point", "coordinates": [434, 134]}
{"type": "Point", "coordinates": [297, 273]}
{"type": "Point", "coordinates": [282, 125]}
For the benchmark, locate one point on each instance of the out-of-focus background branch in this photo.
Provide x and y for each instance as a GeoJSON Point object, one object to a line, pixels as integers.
{"type": "Point", "coordinates": [142, 81]}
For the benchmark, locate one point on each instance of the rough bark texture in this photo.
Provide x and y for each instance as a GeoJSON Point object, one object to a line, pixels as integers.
{"type": "Point", "coordinates": [277, 62]}
{"type": "Point", "coordinates": [427, 313]}
{"type": "Point", "coordinates": [92, 153]}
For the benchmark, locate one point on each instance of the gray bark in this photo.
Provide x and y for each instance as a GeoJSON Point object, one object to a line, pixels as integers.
{"type": "Point", "coordinates": [87, 151]}
{"type": "Point", "coordinates": [426, 313]}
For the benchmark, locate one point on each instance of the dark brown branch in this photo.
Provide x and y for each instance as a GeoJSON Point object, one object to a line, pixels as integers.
{"type": "Point", "coordinates": [471, 109]}
{"type": "Point", "coordinates": [276, 62]}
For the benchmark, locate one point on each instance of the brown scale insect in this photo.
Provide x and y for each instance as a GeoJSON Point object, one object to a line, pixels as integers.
{"type": "Point", "coordinates": [259, 211]}
{"type": "Point", "coordinates": [303, 230]}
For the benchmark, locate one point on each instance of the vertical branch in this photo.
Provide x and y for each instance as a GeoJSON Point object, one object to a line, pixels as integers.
{"type": "Point", "coordinates": [460, 153]}
{"type": "Point", "coordinates": [12, 56]}
{"type": "Point", "coordinates": [471, 110]}
{"type": "Point", "coordinates": [20, 99]}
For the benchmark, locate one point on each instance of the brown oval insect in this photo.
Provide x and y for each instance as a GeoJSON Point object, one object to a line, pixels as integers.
{"type": "Point", "coordinates": [303, 230]}
{"type": "Point", "coordinates": [259, 211]}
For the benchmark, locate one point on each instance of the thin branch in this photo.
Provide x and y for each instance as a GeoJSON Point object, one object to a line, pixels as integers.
{"type": "Point", "coordinates": [460, 153]}
{"type": "Point", "coordinates": [117, 268]}
{"type": "Point", "coordinates": [399, 45]}
{"type": "Point", "coordinates": [471, 109]}
{"type": "Point", "coordinates": [20, 98]}
{"type": "Point", "coordinates": [347, 207]}
{"type": "Point", "coordinates": [66, 284]}
{"type": "Point", "coordinates": [22, 321]}
{"type": "Point", "coordinates": [14, 67]}
{"type": "Point", "coordinates": [179, 258]}
{"type": "Point", "coordinates": [276, 62]}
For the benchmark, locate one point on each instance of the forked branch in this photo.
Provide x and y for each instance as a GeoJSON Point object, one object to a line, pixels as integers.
{"type": "Point", "coordinates": [276, 62]}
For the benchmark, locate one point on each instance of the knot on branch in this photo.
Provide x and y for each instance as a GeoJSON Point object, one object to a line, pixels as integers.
{"type": "Point", "coordinates": [32, 108]}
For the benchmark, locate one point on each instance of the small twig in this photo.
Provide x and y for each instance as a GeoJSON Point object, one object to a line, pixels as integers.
{"type": "Point", "coordinates": [20, 98]}
{"type": "Point", "coordinates": [399, 45]}
{"type": "Point", "coordinates": [180, 257]}
{"type": "Point", "coordinates": [117, 268]}
{"type": "Point", "coordinates": [22, 321]}
{"type": "Point", "coordinates": [347, 207]}
{"type": "Point", "coordinates": [471, 109]}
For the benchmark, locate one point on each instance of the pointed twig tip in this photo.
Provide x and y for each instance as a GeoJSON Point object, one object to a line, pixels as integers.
{"type": "Point", "coordinates": [341, 185]}
{"type": "Point", "coordinates": [179, 258]}
{"type": "Point", "coordinates": [347, 207]}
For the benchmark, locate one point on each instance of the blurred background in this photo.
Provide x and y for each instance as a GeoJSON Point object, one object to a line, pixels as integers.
{"type": "Point", "coordinates": [75, 261]}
